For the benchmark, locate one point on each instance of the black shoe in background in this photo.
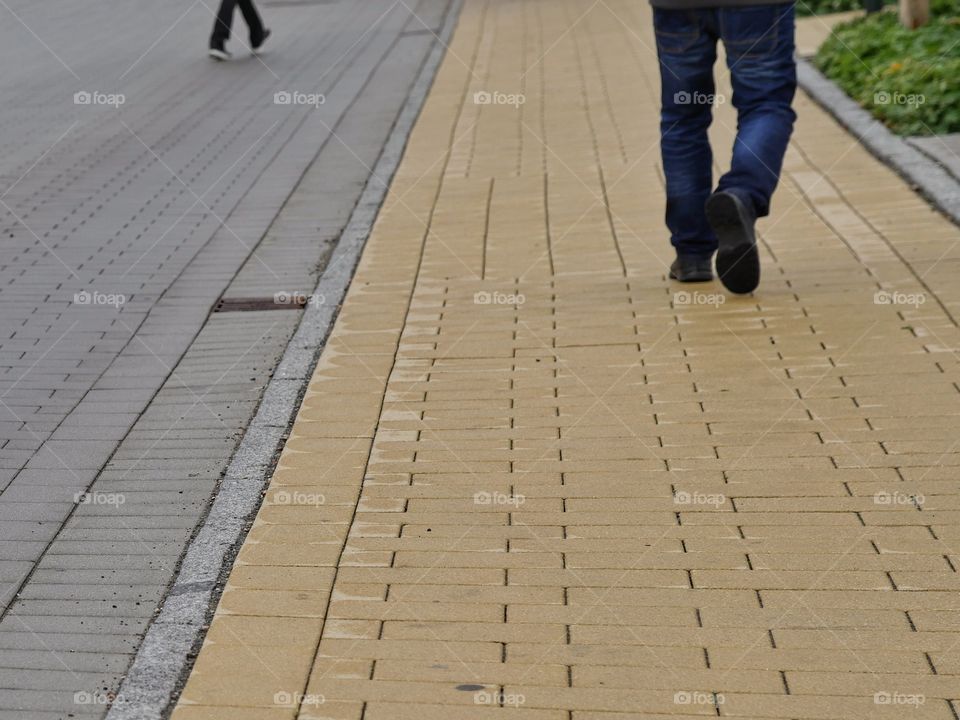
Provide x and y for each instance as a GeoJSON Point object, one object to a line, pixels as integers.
{"type": "Point", "coordinates": [691, 268]}
{"type": "Point", "coordinates": [257, 43]}
{"type": "Point", "coordinates": [738, 261]}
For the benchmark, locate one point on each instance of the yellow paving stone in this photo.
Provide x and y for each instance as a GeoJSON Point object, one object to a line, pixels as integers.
{"type": "Point", "coordinates": [265, 552]}
{"type": "Point", "coordinates": [360, 629]}
{"type": "Point", "coordinates": [658, 678]}
{"type": "Point", "coordinates": [280, 603]}
{"type": "Point", "coordinates": [264, 631]}
{"type": "Point", "coordinates": [481, 651]}
{"type": "Point", "coordinates": [483, 632]}
{"type": "Point", "coordinates": [246, 675]}
{"type": "Point", "coordinates": [837, 660]}
{"type": "Point", "coordinates": [613, 655]}
{"type": "Point", "coordinates": [525, 468]}
{"type": "Point", "coordinates": [871, 683]}
{"type": "Point", "coordinates": [692, 712]}
{"type": "Point", "coordinates": [340, 669]}
{"type": "Point", "coordinates": [318, 534]}
{"type": "Point", "coordinates": [413, 610]}
{"type": "Point", "coordinates": [332, 711]}
{"type": "Point", "coordinates": [830, 579]}
{"type": "Point", "coordinates": [426, 576]}
{"type": "Point", "coordinates": [429, 711]}
{"type": "Point", "coordinates": [886, 599]}
{"type": "Point", "coordinates": [473, 594]}
{"type": "Point", "coordinates": [287, 508]}
{"type": "Point", "coordinates": [612, 699]}
{"type": "Point", "coordinates": [472, 672]}
{"type": "Point", "coordinates": [262, 577]}
{"type": "Point", "coordinates": [947, 661]}
{"type": "Point", "coordinates": [226, 712]}
{"type": "Point", "coordinates": [801, 615]}
{"type": "Point", "coordinates": [822, 708]}
{"type": "Point", "coordinates": [677, 636]}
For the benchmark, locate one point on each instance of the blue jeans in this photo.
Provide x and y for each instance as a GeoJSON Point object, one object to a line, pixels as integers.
{"type": "Point", "coordinates": [759, 45]}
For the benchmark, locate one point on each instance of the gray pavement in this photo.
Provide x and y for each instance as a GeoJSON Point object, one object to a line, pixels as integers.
{"type": "Point", "coordinates": [943, 149]}
{"type": "Point", "coordinates": [125, 219]}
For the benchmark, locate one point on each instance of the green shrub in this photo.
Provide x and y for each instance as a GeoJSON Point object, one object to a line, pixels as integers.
{"type": "Point", "coordinates": [909, 79]}
{"type": "Point", "coordinates": [823, 7]}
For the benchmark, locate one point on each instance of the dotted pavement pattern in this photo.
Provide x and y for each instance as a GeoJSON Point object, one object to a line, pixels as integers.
{"type": "Point", "coordinates": [533, 478]}
{"type": "Point", "coordinates": [142, 182]}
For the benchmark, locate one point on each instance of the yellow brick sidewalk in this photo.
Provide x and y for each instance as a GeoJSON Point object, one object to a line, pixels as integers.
{"type": "Point", "coordinates": [534, 479]}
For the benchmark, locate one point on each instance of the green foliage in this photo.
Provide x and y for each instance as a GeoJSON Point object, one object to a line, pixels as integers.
{"type": "Point", "coordinates": [823, 7]}
{"type": "Point", "coordinates": [909, 79]}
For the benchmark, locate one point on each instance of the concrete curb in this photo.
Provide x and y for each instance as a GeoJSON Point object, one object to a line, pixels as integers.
{"type": "Point", "coordinates": [924, 175]}
{"type": "Point", "coordinates": [166, 654]}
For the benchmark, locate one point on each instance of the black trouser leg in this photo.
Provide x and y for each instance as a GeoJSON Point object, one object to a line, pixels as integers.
{"type": "Point", "coordinates": [253, 20]}
{"type": "Point", "coordinates": [221, 26]}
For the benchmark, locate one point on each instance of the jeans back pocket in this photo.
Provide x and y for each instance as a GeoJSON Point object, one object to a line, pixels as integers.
{"type": "Point", "coordinates": [676, 30]}
{"type": "Point", "coordinates": [752, 30]}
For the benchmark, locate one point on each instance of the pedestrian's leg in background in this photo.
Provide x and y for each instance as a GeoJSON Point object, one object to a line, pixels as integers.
{"type": "Point", "coordinates": [760, 54]}
{"type": "Point", "coordinates": [686, 47]}
{"type": "Point", "coordinates": [221, 26]}
{"type": "Point", "coordinates": [253, 21]}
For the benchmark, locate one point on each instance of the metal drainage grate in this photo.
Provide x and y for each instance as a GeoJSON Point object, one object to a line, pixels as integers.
{"type": "Point", "coordinates": [251, 304]}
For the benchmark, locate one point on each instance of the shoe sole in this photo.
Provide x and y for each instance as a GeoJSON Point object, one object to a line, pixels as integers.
{"type": "Point", "coordinates": [693, 277]}
{"type": "Point", "coordinates": [738, 261]}
{"type": "Point", "coordinates": [218, 54]}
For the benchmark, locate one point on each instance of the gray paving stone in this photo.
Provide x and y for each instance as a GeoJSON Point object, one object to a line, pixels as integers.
{"type": "Point", "coordinates": [67, 642]}
{"type": "Point", "coordinates": [150, 399]}
{"type": "Point", "coordinates": [53, 680]}
{"type": "Point", "coordinates": [944, 149]}
{"type": "Point", "coordinates": [76, 662]}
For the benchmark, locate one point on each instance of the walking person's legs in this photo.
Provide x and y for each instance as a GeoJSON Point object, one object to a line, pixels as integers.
{"type": "Point", "coordinates": [257, 32]}
{"type": "Point", "coordinates": [759, 45]}
{"type": "Point", "coordinates": [223, 22]}
{"type": "Point", "coordinates": [764, 77]}
{"type": "Point", "coordinates": [221, 29]}
{"type": "Point", "coordinates": [686, 47]}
